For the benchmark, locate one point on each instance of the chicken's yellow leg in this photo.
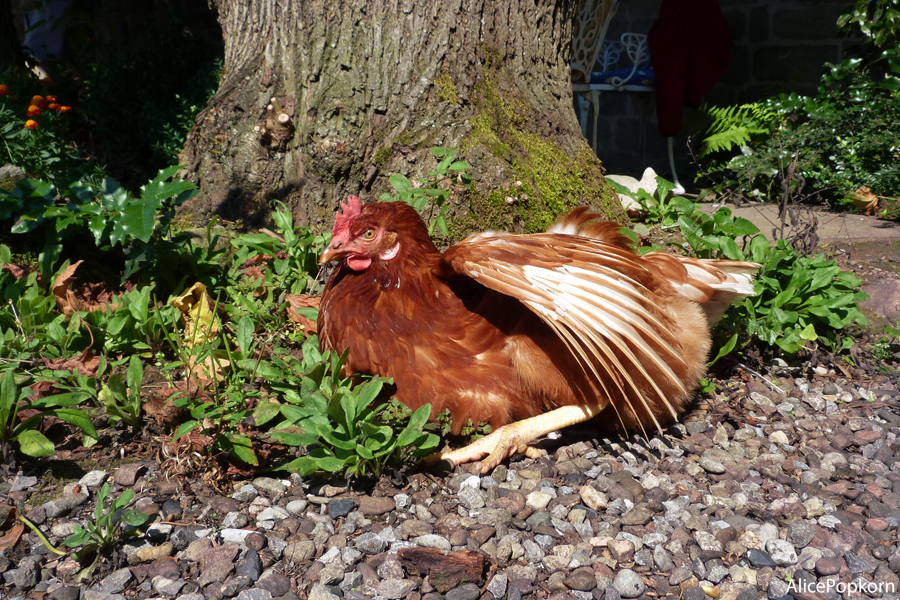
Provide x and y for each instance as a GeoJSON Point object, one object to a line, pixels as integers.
{"type": "Point", "coordinates": [515, 437]}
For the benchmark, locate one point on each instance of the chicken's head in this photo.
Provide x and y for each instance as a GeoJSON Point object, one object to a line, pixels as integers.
{"type": "Point", "coordinates": [360, 236]}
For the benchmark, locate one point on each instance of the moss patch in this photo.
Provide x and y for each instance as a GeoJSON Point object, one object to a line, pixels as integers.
{"type": "Point", "coordinates": [446, 89]}
{"type": "Point", "coordinates": [547, 181]}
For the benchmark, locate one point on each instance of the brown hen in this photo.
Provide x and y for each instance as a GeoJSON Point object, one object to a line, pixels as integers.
{"type": "Point", "coordinates": [530, 333]}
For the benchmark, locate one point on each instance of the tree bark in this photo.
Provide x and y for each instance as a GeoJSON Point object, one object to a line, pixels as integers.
{"type": "Point", "coordinates": [10, 48]}
{"type": "Point", "coordinates": [325, 98]}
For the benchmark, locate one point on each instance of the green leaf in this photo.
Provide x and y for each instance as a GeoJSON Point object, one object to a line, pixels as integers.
{"type": "Point", "coordinates": [135, 518]}
{"type": "Point", "coordinates": [242, 447]}
{"type": "Point", "coordinates": [809, 333]}
{"type": "Point", "coordinates": [184, 428]}
{"type": "Point", "coordinates": [245, 334]}
{"type": "Point", "coordinates": [34, 443]}
{"type": "Point", "coordinates": [399, 182]}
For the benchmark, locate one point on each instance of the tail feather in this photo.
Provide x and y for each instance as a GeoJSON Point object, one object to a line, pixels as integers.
{"type": "Point", "coordinates": [713, 284]}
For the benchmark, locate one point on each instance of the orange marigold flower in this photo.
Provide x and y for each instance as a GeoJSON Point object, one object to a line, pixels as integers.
{"type": "Point", "coordinates": [65, 108]}
{"type": "Point", "coordinates": [53, 106]}
{"type": "Point", "coordinates": [50, 98]}
{"type": "Point", "coordinates": [29, 124]}
{"type": "Point", "coordinates": [4, 89]}
{"type": "Point", "coordinates": [38, 101]}
{"type": "Point", "coordinates": [33, 108]}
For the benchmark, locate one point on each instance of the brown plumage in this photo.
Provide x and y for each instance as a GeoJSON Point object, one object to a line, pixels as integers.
{"type": "Point", "coordinates": [530, 333]}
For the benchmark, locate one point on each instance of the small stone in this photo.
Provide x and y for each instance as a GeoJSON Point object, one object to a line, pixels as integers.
{"type": "Point", "coordinates": [116, 581]}
{"type": "Point", "coordinates": [470, 497]}
{"type": "Point", "coordinates": [235, 520]}
{"type": "Point", "coordinates": [376, 506]}
{"type": "Point", "coordinates": [246, 493]}
{"type": "Point", "coordinates": [662, 559]}
{"type": "Point", "coordinates": [167, 587]}
{"type": "Point", "coordinates": [27, 574]}
{"type": "Point", "coordinates": [127, 475]}
{"type": "Point", "coordinates": [21, 483]}
{"type": "Point", "coordinates": [621, 550]}
{"type": "Point", "coordinates": [273, 513]}
{"type": "Point", "coordinates": [275, 583]}
{"type": "Point", "coordinates": [300, 552]}
{"type": "Point", "coordinates": [466, 591]}
{"type": "Point", "coordinates": [582, 580]}
{"type": "Point", "coordinates": [711, 465]}
{"type": "Point", "coordinates": [433, 541]}
{"type": "Point", "coordinates": [64, 505]}
{"type": "Point", "coordinates": [760, 559]}
{"type": "Point", "coordinates": [629, 584]}
{"type": "Point", "coordinates": [332, 574]}
{"type": "Point", "coordinates": [395, 589]}
{"type": "Point", "coordinates": [234, 536]}
{"type": "Point", "coordinates": [370, 543]}
{"type": "Point", "coordinates": [297, 507]}
{"type": "Point", "coordinates": [800, 534]}
{"type": "Point", "coordinates": [594, 498]}
{"type": "Point", "coordinates": [254, 594]}
{"type": "Point", "coordinates": [269, 486]}
{"type": "Point", "coordinates": [320, 592]}
{"type": "Point", "coordinates": [828, 565]}
{"type": "Point", "coordinates": [340, 507]}
{"type": "Point", "coordinates": [782, 552]}
{"type": "Point", "coordinates": [538, 500]}
{"type": "Point", "coordinates": [251, 566]}
{"type": "Point", "coordinates": [497, 586]}
{"type": "Point", "coordinates": [155, 553]}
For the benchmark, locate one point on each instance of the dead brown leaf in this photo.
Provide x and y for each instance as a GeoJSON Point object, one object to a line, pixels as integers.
{"type": "Point", "coordinates": [70, 302]}
{"type": "Point", "coordinates": [12, 538]}
{"type": "Point", "coordinates": [296, 301]}
{"type": "Point", "coordinates": [85, 363]}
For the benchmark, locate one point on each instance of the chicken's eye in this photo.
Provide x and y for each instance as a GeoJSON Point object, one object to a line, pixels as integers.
{"type": "Point", "coordinates": [368, 234]}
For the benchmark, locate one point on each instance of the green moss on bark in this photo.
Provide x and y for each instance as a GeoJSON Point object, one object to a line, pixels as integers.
{"type": "Point", "coordinates": [546, 180]}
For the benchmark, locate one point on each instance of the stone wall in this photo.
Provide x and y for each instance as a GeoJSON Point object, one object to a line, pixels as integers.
{"type": "Point", "coordinates": [779, 46]}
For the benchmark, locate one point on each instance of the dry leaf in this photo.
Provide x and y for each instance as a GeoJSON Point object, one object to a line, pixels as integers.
{"type": "Point", "coordinates": [70, 303]}
{"type": "Point", "coordinates": [200, 324]}
{"type": "Point", "coordinates": [296, 301]}
{"type": "Point", "coordinates": [86, 363]}
{"type": "Point", "coordinates": [865, 200]}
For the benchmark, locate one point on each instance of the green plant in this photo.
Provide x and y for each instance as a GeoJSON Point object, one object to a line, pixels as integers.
{"type": "Point", "coordinates": [436, 188]}
{"type": "Point", "coordinates": [292, 252]}
{"type": "Point", "coordinates": [110, 214]}
{"type": "Point", "coordinates": [106, 527]}
{"type": "Point", "coordinates": [736, 126]}
{"type": "Point", "coordinates": [833, 143]}
{"type": "Point", "coordinates": [878, 20]}
{"type": "Point", "coordinates": [342, 427]}
{"type": "Point", "coordinates": [122, 399]}
{"type": "Point", "coordinates": [34, 133]}
{"type": "Point", "coordinates": [16, 401]}
{"type": "Point", "coordinates": [800, 300]}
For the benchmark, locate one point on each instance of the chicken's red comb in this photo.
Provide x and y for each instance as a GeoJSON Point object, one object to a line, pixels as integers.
{"type": "Point", "coordinates": [350, 209]}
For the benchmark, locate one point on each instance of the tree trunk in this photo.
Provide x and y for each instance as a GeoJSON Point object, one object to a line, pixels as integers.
{"type": "Point", "coordinates": [10, 49]}
{"type": "Point", "coordinates": [325, 98]}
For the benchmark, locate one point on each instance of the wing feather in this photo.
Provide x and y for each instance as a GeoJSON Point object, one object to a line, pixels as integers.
{"type": "Point", "coordinates": [591, 294]}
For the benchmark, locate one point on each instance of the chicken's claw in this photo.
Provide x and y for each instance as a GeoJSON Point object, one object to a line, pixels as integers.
{"type": "Point", "coordinates": [498, 446]}
{"type": "Point", "coordinates": [516, 437]}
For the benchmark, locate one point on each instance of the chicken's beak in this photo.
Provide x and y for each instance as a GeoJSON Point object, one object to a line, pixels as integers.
{"type": "Point", "coordinates": [333, 251]}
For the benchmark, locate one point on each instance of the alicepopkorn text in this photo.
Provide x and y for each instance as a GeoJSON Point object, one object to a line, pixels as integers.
{"type": "Point", "coordinates": [860, 585]}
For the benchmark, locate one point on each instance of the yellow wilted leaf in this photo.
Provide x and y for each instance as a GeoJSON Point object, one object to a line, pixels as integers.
{"type": "Point", "coordinates": [200, 324]}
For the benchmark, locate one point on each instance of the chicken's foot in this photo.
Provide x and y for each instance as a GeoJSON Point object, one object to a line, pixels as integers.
{"type": "Point", "coordinates": [516, 437]}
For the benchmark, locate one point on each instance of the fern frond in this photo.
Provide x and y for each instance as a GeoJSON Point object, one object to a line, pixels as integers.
{"type": "Point", "coordinates": [735, 126]}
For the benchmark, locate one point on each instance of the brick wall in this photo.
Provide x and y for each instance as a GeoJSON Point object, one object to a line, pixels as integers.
{"type": "Point", "coordinates": [779, 46]}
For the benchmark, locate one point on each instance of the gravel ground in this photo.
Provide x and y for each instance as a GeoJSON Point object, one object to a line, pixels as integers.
{"type": "Point", "coordinates": [782, 489]}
